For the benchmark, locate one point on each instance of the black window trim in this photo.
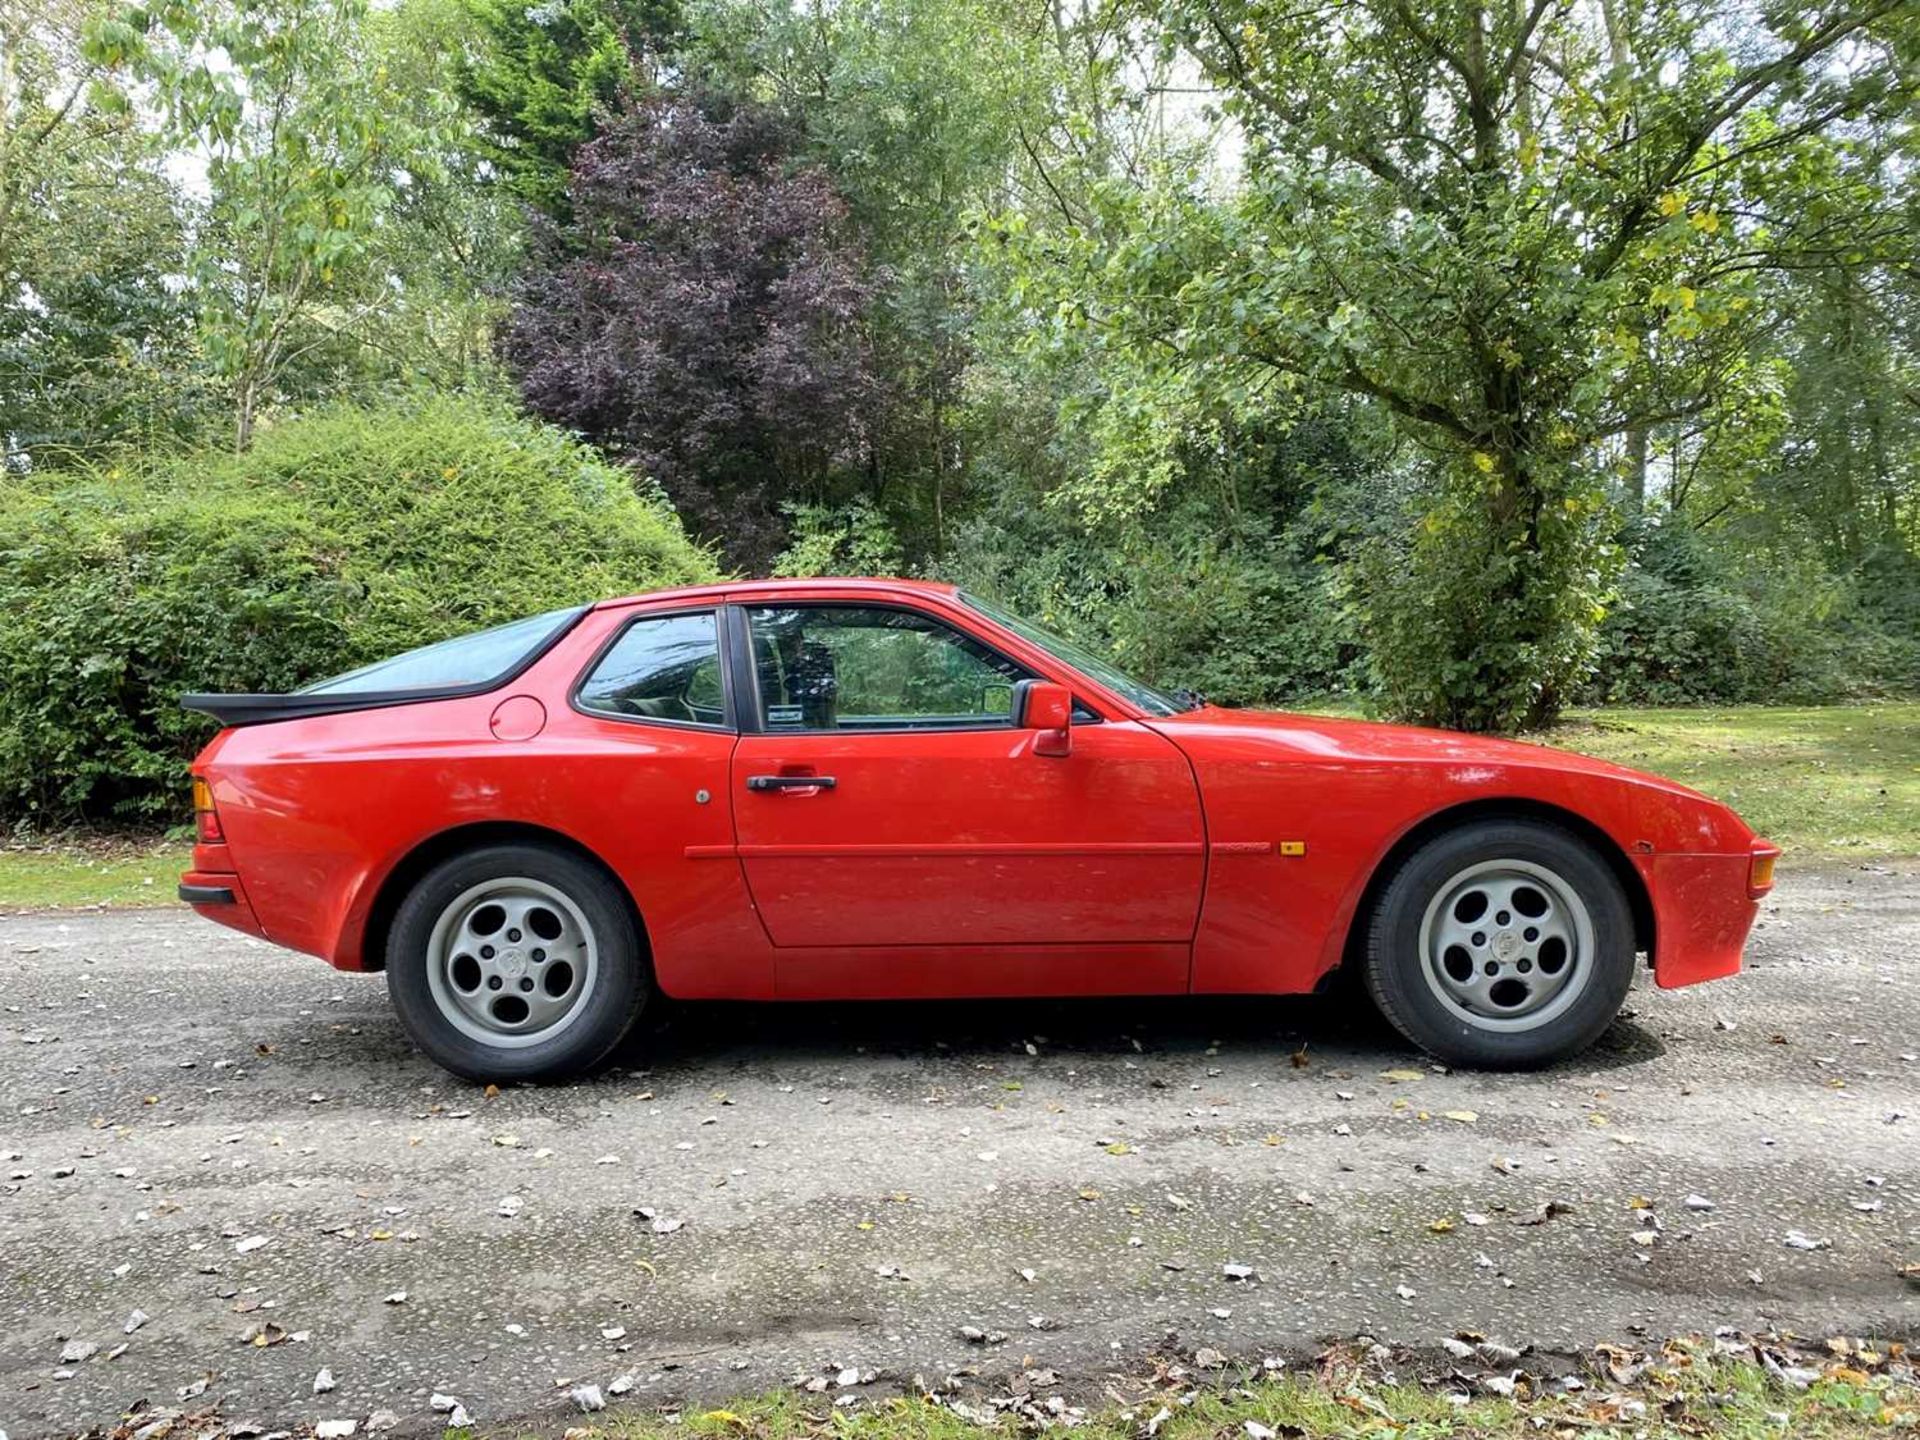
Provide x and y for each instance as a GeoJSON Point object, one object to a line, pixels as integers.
{"type": "Point", "coordinates": [260, 709]}
{"type": "Point", "coordinates": [746, 674]}
{"type": "Point", "coordinates": [730, 708]}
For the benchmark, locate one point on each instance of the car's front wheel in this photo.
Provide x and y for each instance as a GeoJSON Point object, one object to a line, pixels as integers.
{"type": "Point", "coordinates": [516, 962]}
{"type": "Point", "coordinates": [1504, 944]}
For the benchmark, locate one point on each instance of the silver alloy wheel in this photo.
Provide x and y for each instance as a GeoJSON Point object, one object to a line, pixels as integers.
{"type": "Point", "coordinates": [511, 962]}
{"type": "Point", "coordinates": [1507, 945]}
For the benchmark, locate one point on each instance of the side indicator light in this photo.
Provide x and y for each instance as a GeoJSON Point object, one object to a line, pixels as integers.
{"type": "Point", "coordinates": [1293, 847]}
{"type": "Point", "coordinates": [1760, 872]}
{"type": "Point", "coordinates": [206, 820]}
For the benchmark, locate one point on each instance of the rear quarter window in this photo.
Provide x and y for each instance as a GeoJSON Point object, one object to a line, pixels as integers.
{"type": "Point", "coordinates": [467, 662]}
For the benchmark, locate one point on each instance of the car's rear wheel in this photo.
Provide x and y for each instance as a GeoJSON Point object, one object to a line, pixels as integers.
{"type": "Point", "coordinates": [516, 962]}
{"type": "Point", "coordinates": [1503, 944]}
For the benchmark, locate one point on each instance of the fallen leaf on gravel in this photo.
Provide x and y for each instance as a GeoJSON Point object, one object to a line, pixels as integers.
{"type": "Point", "coordinates": [442, 1403]}
{"type": "Point", "coordinates": [588, 1398]}
{"type": "Point", "coordinates": [1698, 1202]}
{"type": "Point", "coordinates": [1462, 1117]}
{"type": "Point", "coordinates": [1796, 1240]}
{"type": "Point", "coordinates": [134, 1322]}
{"type": "Point", "coordinates": [335, 1429]}
{"type": "Point", "coordinates": [459, 1419]}
{"type": "Point", "coordinates": [250, 1244]}
{"type": "Point", "coordinates": [1402, 1076]}
{"type": "Point", "coordinates": [323, 1382]}
{"type": "Point", "coordinates": [1207, 1358]}
{"type": "Point", "coordinates": [76, 1351]}
{"type": "Point", "coordinates": [1547, 1210]}
{"type": "Point", "coordinates": [1405, 1292]}
{"type": "Point", "coordinates": [1237, 1272]}
{"type": "Point", "coordinates": [381, 1420]}
{"type": "Point", "coordinates": [659, 1224]}
{"type": "Point", "coordinates": [398, 1297]}
{"type": "Point", "coordinates": [613, 1332]}
{"type": "Point", "coordinates": [264, 1335]}
{"type": "Point", "coordinates": [510, 1206]}
{"type": "Point", "coordinates": [1506, 1166]}
{"type": "Point", "coordinates": [1179, 1202]}
{"type": "Point", "coordinates": [1442, 1226]}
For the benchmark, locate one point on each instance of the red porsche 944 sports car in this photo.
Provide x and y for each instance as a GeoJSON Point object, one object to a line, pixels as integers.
{"type": "Point", "coordinates": [865, 789]}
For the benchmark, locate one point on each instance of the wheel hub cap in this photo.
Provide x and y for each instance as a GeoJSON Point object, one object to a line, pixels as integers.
{"type": "Point", "coordinates": [1506, 945]}
{"type": "Point", "coordinates": [511, 962]}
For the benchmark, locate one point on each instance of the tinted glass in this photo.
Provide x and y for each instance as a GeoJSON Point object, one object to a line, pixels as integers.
{"type": "Point", "coordinates": [845, 667]}
{"type": "Point", "coordinates": [461, 663]}
{"type": "Point", "coordinates": [1154, 702]}
{"type": "Point", "coordinates": [661, 669]}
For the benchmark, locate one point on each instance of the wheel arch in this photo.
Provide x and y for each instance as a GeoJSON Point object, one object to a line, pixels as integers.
{"type": "Point", "coordinates": [1632, 883]}
{"type": "Point", "coordinates": [407, 871]}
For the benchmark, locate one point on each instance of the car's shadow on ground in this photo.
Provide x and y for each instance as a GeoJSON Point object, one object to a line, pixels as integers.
{"type": "Point", "coordinates": [1337, 1028]}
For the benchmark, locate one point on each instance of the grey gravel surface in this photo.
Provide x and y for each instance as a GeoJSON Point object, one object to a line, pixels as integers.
{"type": "Point", "coordinates": [222, 1136]}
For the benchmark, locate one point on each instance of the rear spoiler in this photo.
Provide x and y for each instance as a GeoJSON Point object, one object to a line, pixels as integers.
{"type": "Point", "coordinates": [260, 709]}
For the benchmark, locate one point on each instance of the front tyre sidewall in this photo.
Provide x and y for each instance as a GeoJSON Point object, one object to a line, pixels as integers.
{"type": "Point", "coordinates": [1395, 963]}
{"type": "Point", "coordinates": [607, 1013]}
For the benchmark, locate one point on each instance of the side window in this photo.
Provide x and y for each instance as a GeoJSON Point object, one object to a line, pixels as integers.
{"type": "Point", "coordinates": [659, 669]}
{"type": "Point", "coordinates": [847, 667]}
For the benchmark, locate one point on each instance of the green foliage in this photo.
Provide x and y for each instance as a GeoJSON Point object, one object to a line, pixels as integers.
{"type": "Point", "coordinates": [1227, 585]}
{"type": "Point", "coordinates": [851, 539]}
{"type": "Point", "coordinates": [1691, 628]}
{"type": "Point", "coordinates": [1481, 621]}
{"type": "Point", "coordinates": [542, 71]}
{"type": "Point", "coordinates": [337, 540]}
{"type": "Point", "coordinates": [1516, 260]}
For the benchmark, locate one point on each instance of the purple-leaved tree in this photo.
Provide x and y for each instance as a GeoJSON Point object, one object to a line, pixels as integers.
{"type": "Point", "coordinates": [702, 317]}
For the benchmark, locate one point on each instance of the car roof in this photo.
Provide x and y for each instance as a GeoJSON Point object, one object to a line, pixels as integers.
{"type": "Point", "coordinates": [785, 589]}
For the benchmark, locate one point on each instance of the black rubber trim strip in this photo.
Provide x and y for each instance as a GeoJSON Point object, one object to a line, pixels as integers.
{"type": "Point", "coordinates": [262, 709]}
{"type": "Point", "coordinates": [206, 894]}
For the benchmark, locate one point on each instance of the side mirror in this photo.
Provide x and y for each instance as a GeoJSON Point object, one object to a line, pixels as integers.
{"type": "Point", "coordinates": [1048, 708]}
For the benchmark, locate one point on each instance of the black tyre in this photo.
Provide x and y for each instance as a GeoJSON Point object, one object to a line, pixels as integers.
{"type": "Point", "coordinates": [516, 962]}
{"type": "Point", "coordinates": [1503, 944]}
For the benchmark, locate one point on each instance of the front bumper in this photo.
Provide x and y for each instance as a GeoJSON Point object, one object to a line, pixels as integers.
{"type": "Point", "coordinates": [1703, 907]}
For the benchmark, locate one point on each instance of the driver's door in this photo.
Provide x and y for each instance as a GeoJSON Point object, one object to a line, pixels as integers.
{"type": "Point", "coordinates": [933, 851]}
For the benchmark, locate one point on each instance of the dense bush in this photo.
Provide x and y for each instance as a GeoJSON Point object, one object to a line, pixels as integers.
{"type": "Point", "coordinates": [1242, 615]}
{"type": "Point", "coordinates": [336, 540]}
{"type": "Point", "coordinates": [1689, 627]}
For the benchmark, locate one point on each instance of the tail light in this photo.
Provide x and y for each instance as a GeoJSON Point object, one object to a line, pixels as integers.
{"type": "Point", "coordinates": [206, 820]}
{"type": "Point", "coordinates": [1760, 871]}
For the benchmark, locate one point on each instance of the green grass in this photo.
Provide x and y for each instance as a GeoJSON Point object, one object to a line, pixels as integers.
{"type": "Point", "coordinates": [73, 873]}
{"type": "Point", "coordinates": [1689, 1392]}
{"type": "Point", "coordinates": [1828, 781]}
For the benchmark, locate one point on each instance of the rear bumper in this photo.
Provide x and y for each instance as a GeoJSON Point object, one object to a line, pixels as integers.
{"type": "Point", "coordinates": [219, 895]}
{"type": "Point", "coordinates": [1703, 907]}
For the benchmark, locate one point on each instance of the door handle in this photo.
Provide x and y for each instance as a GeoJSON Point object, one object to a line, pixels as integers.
{"type": "Point", "coordinates": [790, 782]}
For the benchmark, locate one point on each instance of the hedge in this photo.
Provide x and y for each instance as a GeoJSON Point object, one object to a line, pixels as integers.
{"type": "Point", "coordinates": [340, 538]}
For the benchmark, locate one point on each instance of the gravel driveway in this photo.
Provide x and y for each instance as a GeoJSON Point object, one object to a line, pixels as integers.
{"type": "Point", "coordinates": [236, 1144]}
